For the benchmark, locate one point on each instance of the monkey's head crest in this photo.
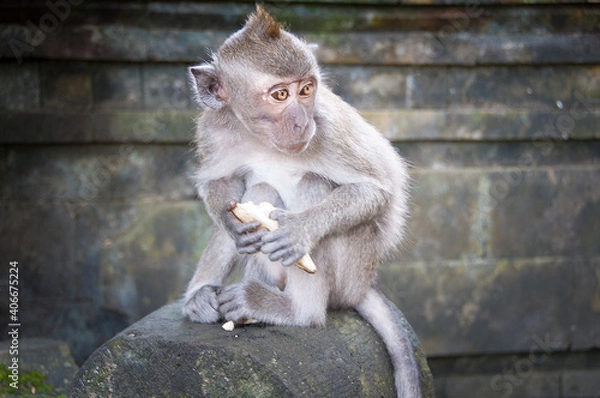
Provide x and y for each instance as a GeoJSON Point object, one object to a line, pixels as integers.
{"type": "Point", "coordinates": [262, 21]}
{"type": "Point", "coordinates": [265, 44]}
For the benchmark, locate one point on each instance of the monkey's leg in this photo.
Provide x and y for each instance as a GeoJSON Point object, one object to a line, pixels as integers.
{"type": "Point", "coordinates": [200, 299]}
{"type": "Point", "coordinates": [375, 309]}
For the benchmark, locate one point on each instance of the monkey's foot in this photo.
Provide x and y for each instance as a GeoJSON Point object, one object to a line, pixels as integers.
{"type": "Point", "coordinates": [252, 301]}
{"type": "Point", "coordinates": [203, 306]}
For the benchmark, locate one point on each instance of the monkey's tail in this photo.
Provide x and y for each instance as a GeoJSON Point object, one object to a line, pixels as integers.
{"type": "Point", "coordinates": [411, 373]}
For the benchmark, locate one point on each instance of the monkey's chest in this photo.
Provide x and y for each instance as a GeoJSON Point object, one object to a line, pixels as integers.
{"type": "Point", "coordinates": [284, 177]}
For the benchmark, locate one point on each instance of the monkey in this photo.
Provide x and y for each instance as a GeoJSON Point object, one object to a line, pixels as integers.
{"type": "Point", "coordinates": [273, 131]}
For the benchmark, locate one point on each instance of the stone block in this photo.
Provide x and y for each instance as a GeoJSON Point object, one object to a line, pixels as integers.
{"type": "Point", "coordinates": [549, 87]}
{"type": "Point", "coordinates": [97, 223]}
{"type": "Point", "coordinates": [471, 308]}
{"type": "Point", "coordinates": [19, 86]}
{"type": "Point", "coordinates": [166, 87]}
{"type": "Point", "coordinates": [146, 127]}
{"type": "Point", "coordinates": [106, 42]}
{"type": "Point", "coordinates": [409, 125]}
{"type": "Point", "coordinates": [210, 16]}
{"type": "Point", "coordinates": [427, 88]}
{"type": "Point", "coordinates": [440, 226]}
{"type": "Point", "coordinates": [113, 172]}
{"type": "Point", "coordinates": [482, 155]}
{"type": "Point", "coordinates": [5, 189]}
{"type": "Point", "coordinates": [188, 46]}
{"type": "Point", "coordinates": [528, 49]}
{"type": "Point", "coordinates": [454, 48]}
{"type": "Point", "coordinates": [370, 88]}
{"type": "Point", "coordinates": [52, 358]}
{"type": "Point", "coordinates": [66, 86]}
{"type": "Point", "coordinates": [46, 127]}
{"type": "Point", "coordinates": [493, 386]}
{"type": "Point", "coordinates": [376, 87]}
{"type": "Point", "coordinates": [581, 383]}
{"type": "Point", "coordinates": [585, 327]}
{"type": "Point", "coordinates": [167, 355]}
{"type": "Point", "coordinates": [117, 86]}
{"type": "Point", "coordinates": [41, 238]}
{"type": "Point", "coordinates": [547, 212]}
{"type": "Point", "coordinates": [154, 126]}
{"type": "Point", "coordinates": [541, 128]}
{"type": "Point", "coordinates": [163, 243]}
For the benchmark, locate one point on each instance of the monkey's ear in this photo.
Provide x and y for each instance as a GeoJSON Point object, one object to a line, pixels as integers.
{"type": "Point", "coordinates": [207, 86]}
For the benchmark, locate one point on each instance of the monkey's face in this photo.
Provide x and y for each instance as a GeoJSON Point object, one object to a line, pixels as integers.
{"type": "Point", "coordinates": [283, 117]}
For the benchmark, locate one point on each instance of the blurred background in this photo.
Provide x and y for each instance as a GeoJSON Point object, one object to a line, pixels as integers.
{"type": "Point", "coordinates": [495, 103]}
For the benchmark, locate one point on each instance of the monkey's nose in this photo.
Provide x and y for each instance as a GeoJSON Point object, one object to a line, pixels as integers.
{"type": "Point", "coordinates": [299, 129]}
{"type": "Point", "coordinates": [299, 125]}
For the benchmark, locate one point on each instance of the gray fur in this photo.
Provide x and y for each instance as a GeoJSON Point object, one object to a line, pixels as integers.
{"type": "Point", "coordinates": [341, 196]}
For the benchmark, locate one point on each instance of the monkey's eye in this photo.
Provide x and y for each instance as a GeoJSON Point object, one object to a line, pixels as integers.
{"type": "Point", "coordinates": [280, 95]}
{"type": "Point", "coordinates": [307, 90]}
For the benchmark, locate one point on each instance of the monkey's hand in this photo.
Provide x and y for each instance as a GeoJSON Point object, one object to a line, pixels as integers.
{"type": "Point", "coordinates": [202, 306]}
{"type": "Point", "coordinates": [290, 242]}
{"type": "Point", "coordinates": [247, 236]}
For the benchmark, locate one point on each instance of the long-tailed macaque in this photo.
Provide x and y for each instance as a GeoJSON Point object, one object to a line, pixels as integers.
{"type": "Point", "coordinates": [273, 131]}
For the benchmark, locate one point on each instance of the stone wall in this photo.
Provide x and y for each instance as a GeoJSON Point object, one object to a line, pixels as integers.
{"type": "Point", "coordinates": [495, 104]}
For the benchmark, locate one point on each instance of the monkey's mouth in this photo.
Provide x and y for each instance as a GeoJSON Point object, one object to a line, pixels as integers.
{"type": "Point", "coordinates": [292, 148]}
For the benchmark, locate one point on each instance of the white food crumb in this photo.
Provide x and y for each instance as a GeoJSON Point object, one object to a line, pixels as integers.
{"type": "Point", "coordinates": [228, 326]}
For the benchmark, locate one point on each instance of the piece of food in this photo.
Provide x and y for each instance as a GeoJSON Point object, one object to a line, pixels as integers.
{"type": "Point", "coordinates": [228, 326]}
{"type": "Point", "coordinates": [248, 212]}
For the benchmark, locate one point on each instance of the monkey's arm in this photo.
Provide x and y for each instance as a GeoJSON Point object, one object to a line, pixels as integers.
{"type": "Point", "coordinates": [217, 195]}
{"type": "Point", "coordinates": [200, 299]}
{"type": "Point", "coordinates": [345, 207]}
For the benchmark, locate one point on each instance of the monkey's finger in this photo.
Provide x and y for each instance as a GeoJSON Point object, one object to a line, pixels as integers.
{"type": "Point", "coordinates": [250, 238]}
{"type": "Point", "coordinates": [291, 258]}
{"type": "Point", "coordinates": [273, 242]}
{"type": "Point", "coordinates": [245, 228]}
{"type": "Point", "coordinates": [249, 249]}
{"type": "Point", "coordinates": [287, 256]}
{"type": "Point", "coordinates": [279, 235]}
{"type": "Point", "coordinates": [277, 214]}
